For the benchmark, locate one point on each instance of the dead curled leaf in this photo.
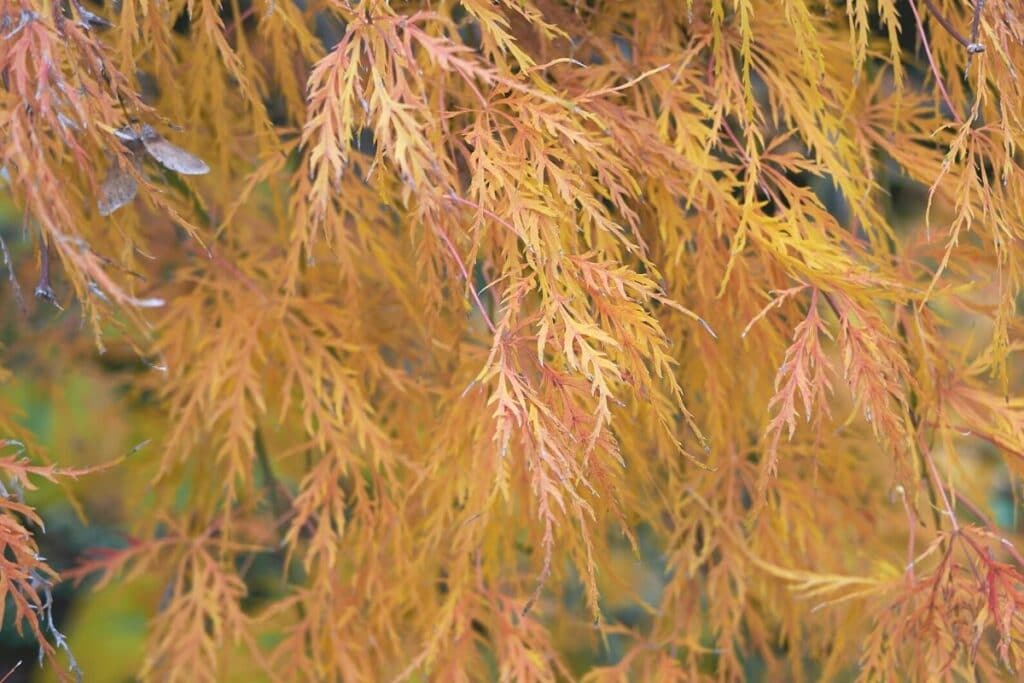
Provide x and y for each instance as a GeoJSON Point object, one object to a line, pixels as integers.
{"type": "Point", "coordinates": [119, 187]}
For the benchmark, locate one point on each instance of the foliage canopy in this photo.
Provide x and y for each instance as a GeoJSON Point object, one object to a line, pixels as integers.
{"type": "Point", "coordinates": [468, 337]}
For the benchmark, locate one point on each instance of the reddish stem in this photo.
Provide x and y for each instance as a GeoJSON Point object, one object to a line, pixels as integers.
{"type": "Point", "coordinates": [465, 276]}
{"type": "Point", "coordinates": [452, 197]}
{"type": "Point", "coordinates": [931, 62]}
{"type": "Point", "coordinates": [241, 18]}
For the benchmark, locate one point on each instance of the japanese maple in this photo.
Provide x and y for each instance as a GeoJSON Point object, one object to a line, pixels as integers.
{"type": "Point", "coordinates": [453, 332]}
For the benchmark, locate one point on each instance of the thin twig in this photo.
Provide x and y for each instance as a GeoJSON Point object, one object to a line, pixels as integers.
{"type": "Point", "coordinates": [989, 524]}
{"type": "Point", "coordinates": [452, 197]}
{"type": "Point", "coordinates": [13, 278]}
{"type": "Point", "coordinates": [973, 509]}
{"type": "Point", "coordinates": [469, 281]}
{"type": "Point", "coordinates": [931, 61]}
{"type": "Point", "coordinates": [933, 474]}
{"type": "Point", "coordinates": [972, 46]}
{"type": "Point", "coordinates": [240, 20]}
{"type": "Point", "coordinates": [976, 23]}
{"type": "Point", "coordinates": [9, 673]}
{"type": "Point", "coordinates": [948, 25]}
{"type": "Point", "coordinates": [975, 47]}
{"type": "Point", "coordinates": [270, 479]}
{"type": "Point", "coordinates": [911, 536]}
{"type": "Point", "coordinates": [936, 480]}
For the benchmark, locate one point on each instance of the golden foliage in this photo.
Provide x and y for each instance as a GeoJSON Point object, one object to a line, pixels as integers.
{"type": "Point", "coordinates": [427, 303]}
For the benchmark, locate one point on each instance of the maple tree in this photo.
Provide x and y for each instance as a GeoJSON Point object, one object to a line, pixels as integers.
{"type": "Point", "coordinates": [521, 339]}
